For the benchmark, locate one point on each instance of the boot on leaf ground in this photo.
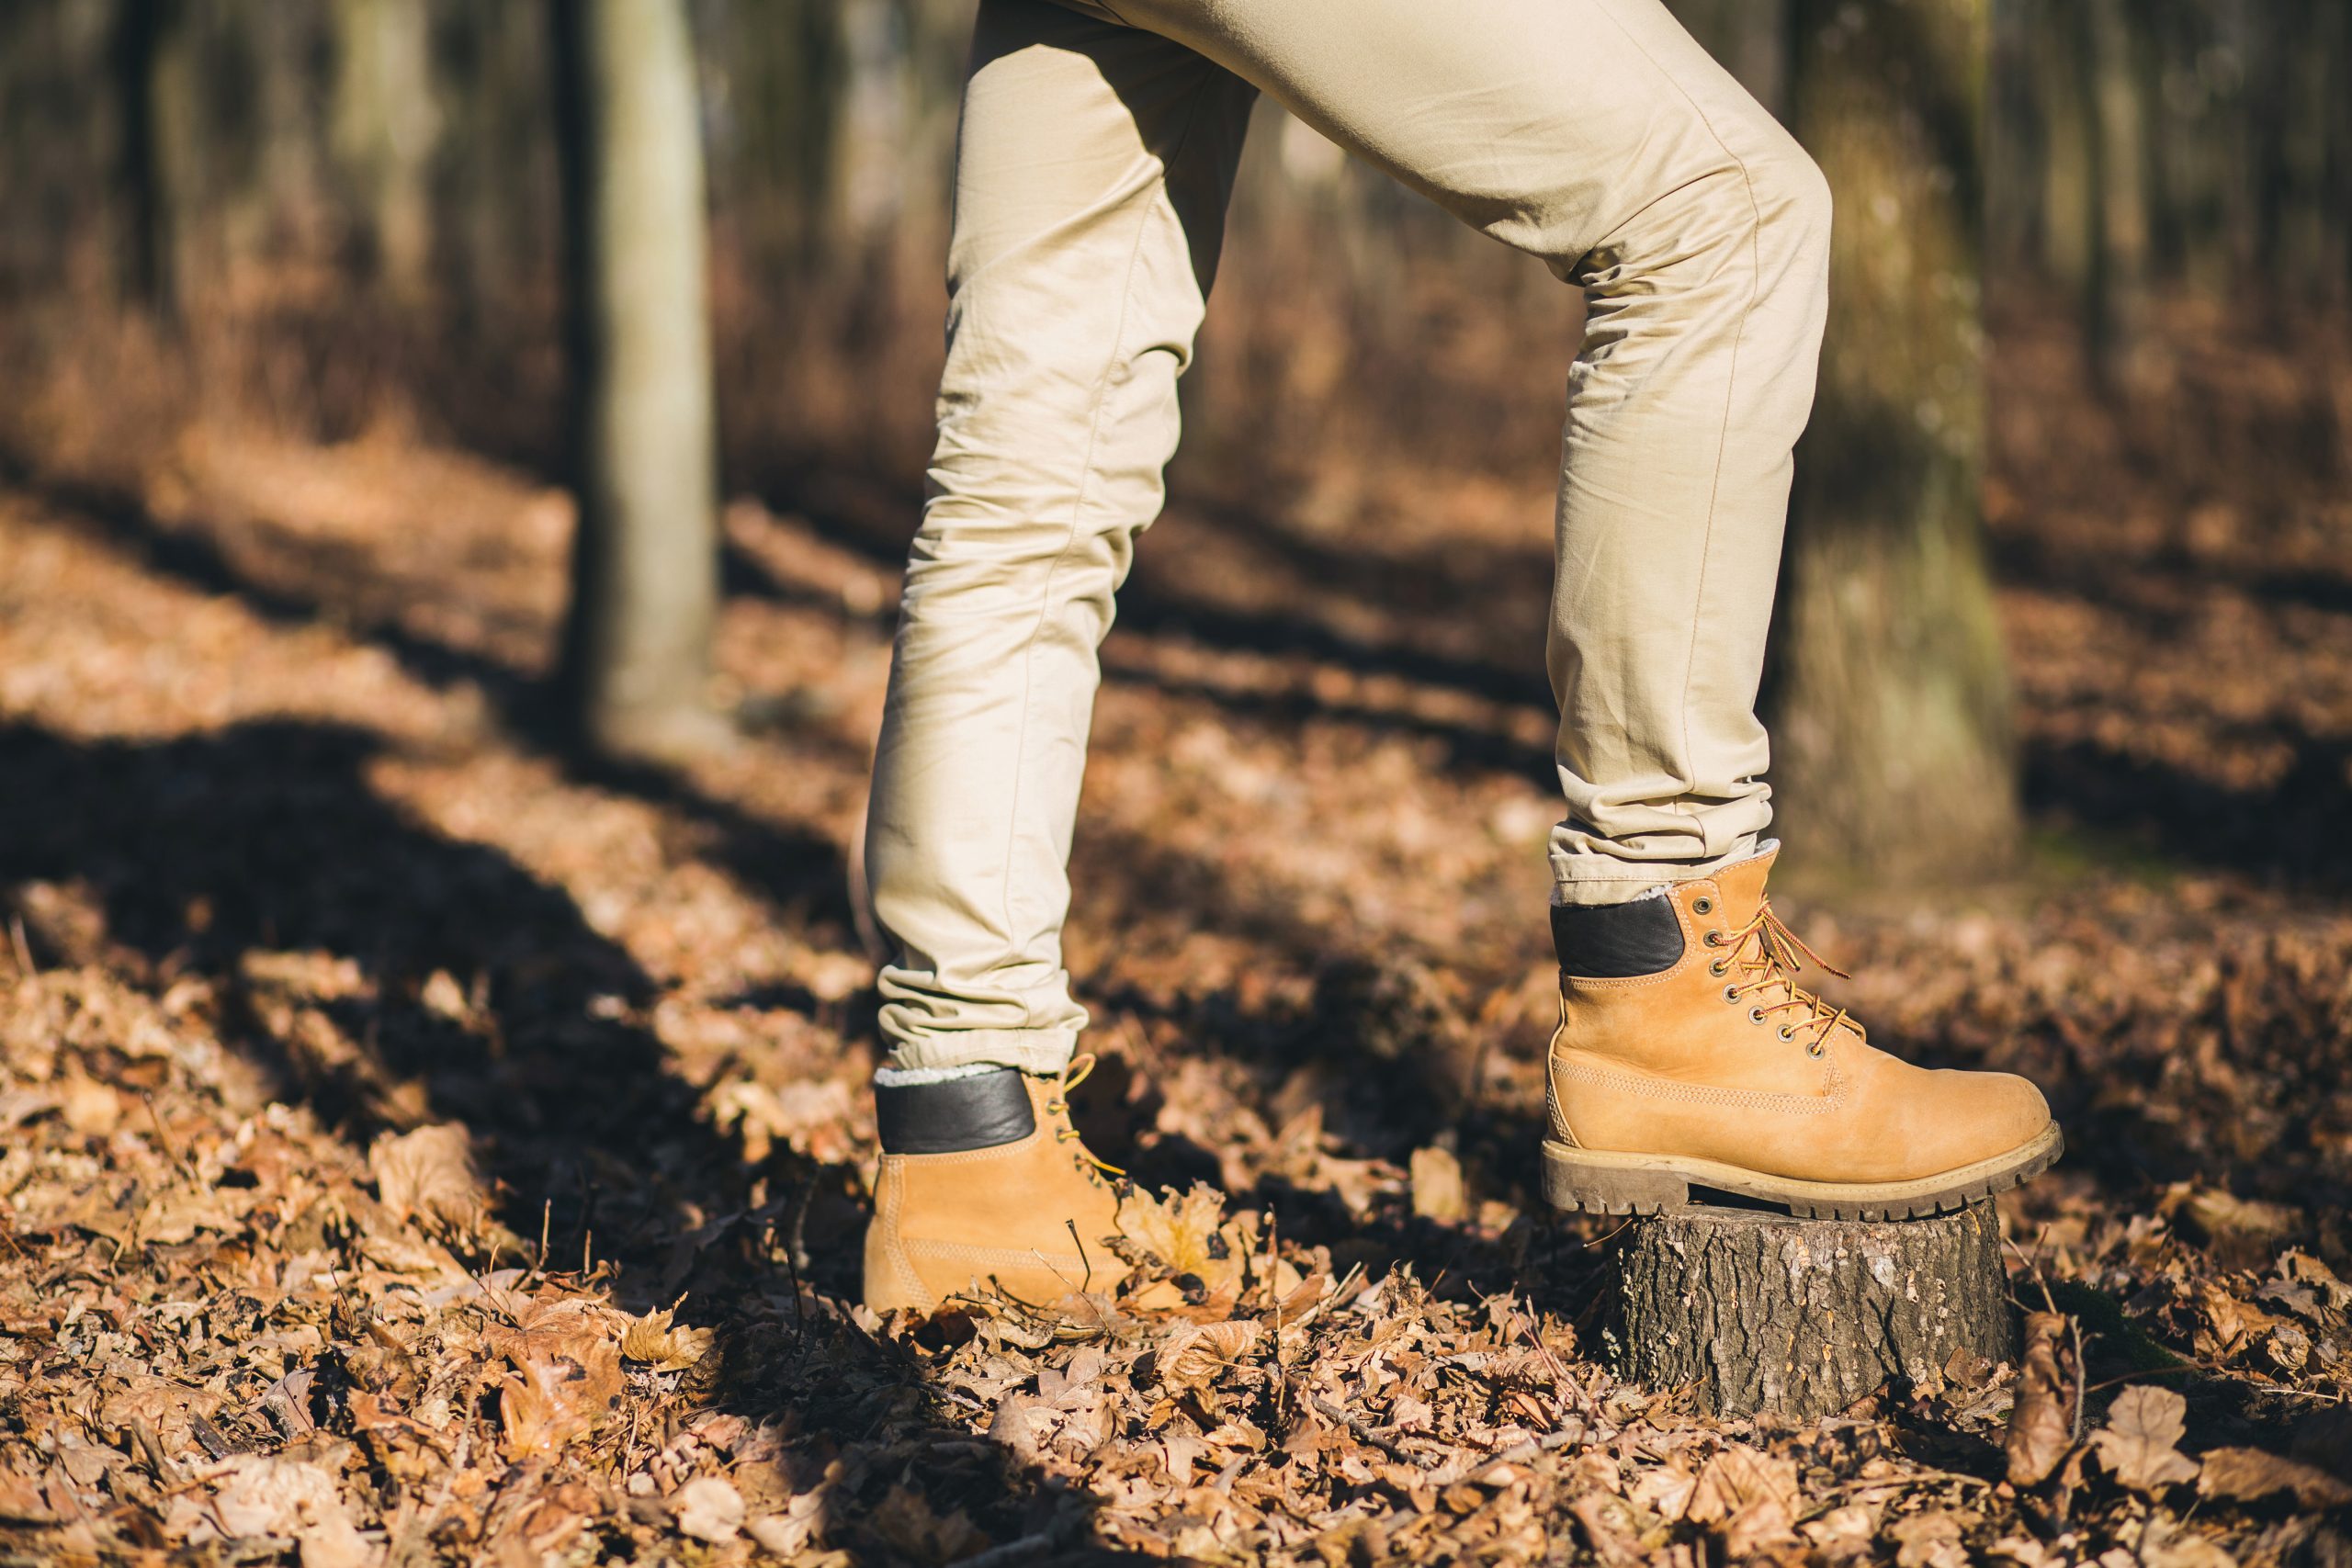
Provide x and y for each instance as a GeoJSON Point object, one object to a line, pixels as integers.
{"type": "Point", "coordinates": [985, 1184]}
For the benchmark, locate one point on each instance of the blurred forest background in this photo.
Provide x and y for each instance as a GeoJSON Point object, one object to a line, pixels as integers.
{"type": "Point", "coordinates": [345, 219]}
{"type": "Point", "coordinates": [308, 315]}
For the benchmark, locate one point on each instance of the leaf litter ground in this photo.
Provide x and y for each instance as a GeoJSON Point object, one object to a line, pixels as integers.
{"type": "Point", "coordinates": [424, 1149]}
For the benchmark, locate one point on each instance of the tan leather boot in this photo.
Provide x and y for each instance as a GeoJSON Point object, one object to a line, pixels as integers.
{"type": "Point", "coordinates": [1687, 1055]}
{"type": "Point", "coordinates": [985, 1186]}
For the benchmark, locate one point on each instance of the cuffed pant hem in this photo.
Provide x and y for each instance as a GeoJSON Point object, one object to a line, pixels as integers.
{"type": "Point", "coordinates": [1590, 880]}
{"type": "Point", "coordinates": [1043, 1052]}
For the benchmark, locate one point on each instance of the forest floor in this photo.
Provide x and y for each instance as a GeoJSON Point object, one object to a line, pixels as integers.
{"type": "Point", "coordinates": [422, 1145]}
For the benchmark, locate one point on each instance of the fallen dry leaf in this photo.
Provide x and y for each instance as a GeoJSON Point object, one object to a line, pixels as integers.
{"type": "Point", "coordinates": [709, 1509]}
{"type": "Point", "coordinates": [90, 1106]}
{"type": "Point", "coordinates": [1736, 1477]}
{"type": "Point", "coordinates": [293, 1499]}
{"type": "Point", "coordinates": [1928, 1539]}
{"type": "Point", "coordinates": [1752, 1497]}
{"type": "Point", "coordinates": [1192, 1354]}
{"type": "Point", "coordinates": [1438, 1191]}
{"type": "Point", "coordinates": [428, 1176]}
{"type": "Point", "coordinates": [2137, 1443]}
{"type": "Point", "coordinates": [2250, 1474]}
{"type": "Point", "coordinates": [2048, 1392]}
{"type": "Point", "coordinates": [1182, 1231]}
{"type": "Point", "coordinates": [650, 1339]}
{"type": "Point", "coordinates": [2164, 1544]}
{"type": "Point", "coordinates": [565, 1377]}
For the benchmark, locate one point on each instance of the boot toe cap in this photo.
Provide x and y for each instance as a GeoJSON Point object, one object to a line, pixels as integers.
{"type": "Point", "coordinates": [1986, 1116]}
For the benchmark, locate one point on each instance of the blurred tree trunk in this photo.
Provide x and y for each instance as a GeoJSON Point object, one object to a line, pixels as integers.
{"type": "Point", "coordinates": [2067, 182]}
{"type": "Point", "coordinates": [645, 564]}
{"type": "Point", "coordinates": [2118, 294]}
{"type": "Point", "coordinates": [153, 87]}
{"type": "Point", "coordinates": [386, 121]}
{"type": "Point", "coordinates": [1890, 702]}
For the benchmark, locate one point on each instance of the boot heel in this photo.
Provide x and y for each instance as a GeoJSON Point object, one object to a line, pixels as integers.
{"type": "Point", "coordinates": [1575, 1180]}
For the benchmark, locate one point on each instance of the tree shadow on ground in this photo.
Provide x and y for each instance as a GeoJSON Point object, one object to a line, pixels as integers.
{"type": "Point", "coordinates": [2289, 833]}
{"type": "Point", "coordinates": [762, 854]}
{"type": "Point", "coordinates": [259, 859]}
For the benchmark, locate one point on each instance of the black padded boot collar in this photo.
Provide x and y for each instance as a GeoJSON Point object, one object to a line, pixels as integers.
{"type": "Point", "coordinates": [1616, 941]}
{"type": "Point", "coordinates": [976, 1112]}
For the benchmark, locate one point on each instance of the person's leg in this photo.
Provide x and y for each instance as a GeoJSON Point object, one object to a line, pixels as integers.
{"type": "Point", "coordinates": [1597, 136]}
{"type": "Point", "coordinates": [1091, 181]}
{"type": "Point", "coordinates": [1091, 175]}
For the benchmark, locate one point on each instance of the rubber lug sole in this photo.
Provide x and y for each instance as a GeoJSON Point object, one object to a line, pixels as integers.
{"type": "Point", "coordinates": [1596, 1181]}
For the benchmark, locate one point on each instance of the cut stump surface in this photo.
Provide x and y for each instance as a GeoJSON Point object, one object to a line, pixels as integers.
{"type": "Point", "coordinates": [1754, 1311]}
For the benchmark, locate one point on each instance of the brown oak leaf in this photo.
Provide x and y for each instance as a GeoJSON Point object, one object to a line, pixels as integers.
{"type": "Point", "coordinates": [1194, 1353]}
{"type": "Point", "coordinates": [2138, 1443]}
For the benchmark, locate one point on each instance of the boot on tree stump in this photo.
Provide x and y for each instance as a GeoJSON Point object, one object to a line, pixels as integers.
{"type": "Point", "coordinates": [1756, 1312]}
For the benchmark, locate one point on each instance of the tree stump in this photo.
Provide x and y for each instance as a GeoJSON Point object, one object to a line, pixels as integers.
{"type": "Point", "coordinates": [1754, 1310]}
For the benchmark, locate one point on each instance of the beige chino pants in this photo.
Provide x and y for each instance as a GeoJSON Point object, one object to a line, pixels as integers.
{"type": "Point", "coordinates": [1097, 151]}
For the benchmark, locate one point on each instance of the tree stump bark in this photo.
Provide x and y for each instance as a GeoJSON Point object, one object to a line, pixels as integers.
{"type": "Point", "coordinates": [1754, 1310]}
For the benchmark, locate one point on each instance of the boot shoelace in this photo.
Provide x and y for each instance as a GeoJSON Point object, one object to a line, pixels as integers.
{"type": "Point", "coordinates": [1767, 953]}
{"type": "Point", "coordinates": [1071, 1076]}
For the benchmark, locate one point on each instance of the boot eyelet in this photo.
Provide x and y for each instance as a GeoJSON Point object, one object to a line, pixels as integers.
{"type": "Point", "coordinates": [1731, 993]}
{"type": "Point", "coordinates": [1812, 1048]}
{"type": "Point", "coordinates": [1702, 905]}
{"type": "Point", "coordinates": [1715, 939]}
{"type": "Point", "coordinates": [1786, 1034]}
{"type": "Point", "coordinates": [1716, 968]}
{"type": "Point", "coordinates": [1755, 1015]}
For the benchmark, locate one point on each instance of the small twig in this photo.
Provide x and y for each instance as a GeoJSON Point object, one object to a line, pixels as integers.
{"type": "Point", "coordinates": [539, 1269]}
{"type": "Point", "coordinates": [1600, 1241]}
{"type": "Point", "coordinates": [2220, 1374]}
{"type": "Point", "coordinates": [2033, 1268]}
{"type": "Point", "coordinates": [157, 1460]}
{"type": "Point", "coordinates": [1364, 1433]}
{"type": "Point", "coordinates": [1563, 1404]}
{"type": "Point", "coordinates": [215, 1443]}
{"type": "Point", "coordinates": [1519, 1453]}
{"type": "Point", "coordinates": [1079, 1242]}
{"type": "Point", "coordinates": [488, 1295]}
{"type": "Point", "coordinates": [792, 1278]}
{"type": "Point", "coordinates": [2106, 1383]}
{"type": "Point", "coordinates": [26, 968]}
{"type": "Point", "coordinates": [2082, 1396]}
